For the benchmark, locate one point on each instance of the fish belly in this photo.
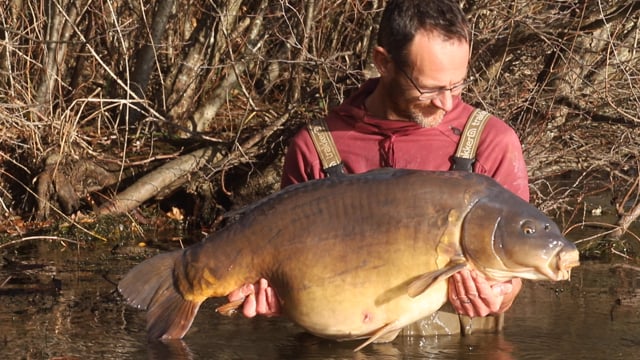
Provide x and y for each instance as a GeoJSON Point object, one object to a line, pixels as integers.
{"type": "Point", "coordinates": [346, 309]}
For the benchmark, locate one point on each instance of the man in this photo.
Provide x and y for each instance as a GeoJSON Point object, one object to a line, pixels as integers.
{"type": "Point", "coordinates": [411, 117]}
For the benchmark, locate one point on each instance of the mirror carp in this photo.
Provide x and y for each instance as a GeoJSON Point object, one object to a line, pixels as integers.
{"type": "Point", "coordinates": [356, 257]}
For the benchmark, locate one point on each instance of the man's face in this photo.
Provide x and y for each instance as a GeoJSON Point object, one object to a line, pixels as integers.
{"type": "Point", "coordinates": [434, 77]}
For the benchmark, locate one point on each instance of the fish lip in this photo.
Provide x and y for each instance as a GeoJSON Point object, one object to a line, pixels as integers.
{"type": "Point", "coordinates": [560, 264]}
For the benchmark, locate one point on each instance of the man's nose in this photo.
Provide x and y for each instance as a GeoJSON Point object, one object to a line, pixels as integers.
{"type": "Point", "coordinates": [444, 100]}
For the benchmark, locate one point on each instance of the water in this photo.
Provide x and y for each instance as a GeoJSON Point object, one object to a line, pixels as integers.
{"type": "Point", "coordinates": [595, 316]}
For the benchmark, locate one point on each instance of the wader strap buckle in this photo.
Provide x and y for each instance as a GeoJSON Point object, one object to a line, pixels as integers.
{"type": "Point", "coordinates": [465, 155]}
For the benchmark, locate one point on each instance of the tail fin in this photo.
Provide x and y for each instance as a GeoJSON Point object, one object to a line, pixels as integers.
{"type": "Point", "coordinates": [149, 286]}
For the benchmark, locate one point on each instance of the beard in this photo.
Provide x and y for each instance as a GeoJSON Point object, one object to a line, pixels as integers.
{"type": "Point", "coordinates": [425, 115]}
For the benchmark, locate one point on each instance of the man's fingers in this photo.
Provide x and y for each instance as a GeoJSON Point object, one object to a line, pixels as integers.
{"type": "Point", "coordinates": [259, 299]}
{"type": "Point", "coordinates": [267, 302]}
{"type": "Point", "coordinates": [262, 307]}
{"type": "Point", "coordinates": [249, 306]}
{"type": "Point", "coordinates": [491, 295]}
{"type": "Point", "coordinates": [457, 294]}
{"type": "Point", "coordinates": [245, 292]}
{"type": "Point", "coordinates": [273, 302]}
{"type": "Point", "coordinates": [472, 296]}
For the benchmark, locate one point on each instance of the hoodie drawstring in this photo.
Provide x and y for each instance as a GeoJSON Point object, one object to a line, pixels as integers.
{"type": "Point", "coordinates": [387, 151]}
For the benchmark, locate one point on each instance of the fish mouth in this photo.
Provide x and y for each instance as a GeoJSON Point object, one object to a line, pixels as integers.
{"type": "Point", "coordinates": [560, 265]}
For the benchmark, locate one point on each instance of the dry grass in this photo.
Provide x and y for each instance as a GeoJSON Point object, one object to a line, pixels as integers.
{"type": "Point", "coordinates": [563, 73]}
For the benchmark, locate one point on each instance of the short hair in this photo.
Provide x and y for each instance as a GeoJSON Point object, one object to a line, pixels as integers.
{"type": "Point", "coordinates": [402, 19]}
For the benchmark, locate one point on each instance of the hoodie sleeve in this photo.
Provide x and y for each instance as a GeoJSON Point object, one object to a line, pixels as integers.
{"type": "Point", "coordinates": [301, 162]}
{"type": "Point", "coordinates": [500, 157]}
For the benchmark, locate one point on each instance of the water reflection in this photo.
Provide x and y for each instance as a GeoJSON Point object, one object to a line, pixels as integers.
{"type": "Point", "coordinates": [595, 316]}
{"type": "Point", "coordinates": [174, 349]}
{"type": "Point", "coordinates": [305, 346]}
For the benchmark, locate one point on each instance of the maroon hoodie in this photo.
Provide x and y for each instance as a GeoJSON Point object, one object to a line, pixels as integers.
{"type": "Point", "coordinates": [366, 143]}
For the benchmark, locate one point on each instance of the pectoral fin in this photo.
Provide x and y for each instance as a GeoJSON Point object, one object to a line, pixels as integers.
{"type": "Point", "coordinates": [384, 334]}
{"type": "Point", "coordinates": [423, 282]}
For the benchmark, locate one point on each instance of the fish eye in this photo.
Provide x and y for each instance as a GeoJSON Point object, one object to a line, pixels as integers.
{"type": "Point", "coordinates": [528, 228]}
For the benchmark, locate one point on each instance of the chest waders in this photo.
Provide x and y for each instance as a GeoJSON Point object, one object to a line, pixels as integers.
{"type": "Point", "coordinates": [445, 321]}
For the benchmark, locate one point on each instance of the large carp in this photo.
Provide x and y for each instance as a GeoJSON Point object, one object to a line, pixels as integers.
{"type": "Point", "coordinates": [359, 256]}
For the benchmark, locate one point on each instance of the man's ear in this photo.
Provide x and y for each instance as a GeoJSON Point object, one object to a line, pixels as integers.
{"type": "Point", "coordinates": [381, 60]}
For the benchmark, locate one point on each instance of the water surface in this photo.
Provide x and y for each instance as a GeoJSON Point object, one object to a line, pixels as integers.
{"type": "Point", "coordinates": [65, 307]}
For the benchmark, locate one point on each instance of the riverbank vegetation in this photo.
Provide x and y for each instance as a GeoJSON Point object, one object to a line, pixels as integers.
{"type": "Point", "coordinates": [177, 111]}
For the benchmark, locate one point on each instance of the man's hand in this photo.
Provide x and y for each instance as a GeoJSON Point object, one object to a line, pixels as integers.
{"type": "Point", "coordinates": [259, 299]}
{"type": "Point", "coordinates": [472, 295]}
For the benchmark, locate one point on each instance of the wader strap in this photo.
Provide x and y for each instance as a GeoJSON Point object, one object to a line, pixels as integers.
{"type": "Point", "coordinates": [463, 160]}
{"type": "Point", "coordinates": [468, 145]}
{"type": "Point", "coordinates": [325, 147]}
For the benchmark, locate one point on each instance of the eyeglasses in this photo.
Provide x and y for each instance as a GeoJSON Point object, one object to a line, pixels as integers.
{"type": "Point", "coordinates": [429, 94]}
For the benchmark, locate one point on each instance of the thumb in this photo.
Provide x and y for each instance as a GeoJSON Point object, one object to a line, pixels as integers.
{"type": "Point", "coordinates": [502, 288]}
